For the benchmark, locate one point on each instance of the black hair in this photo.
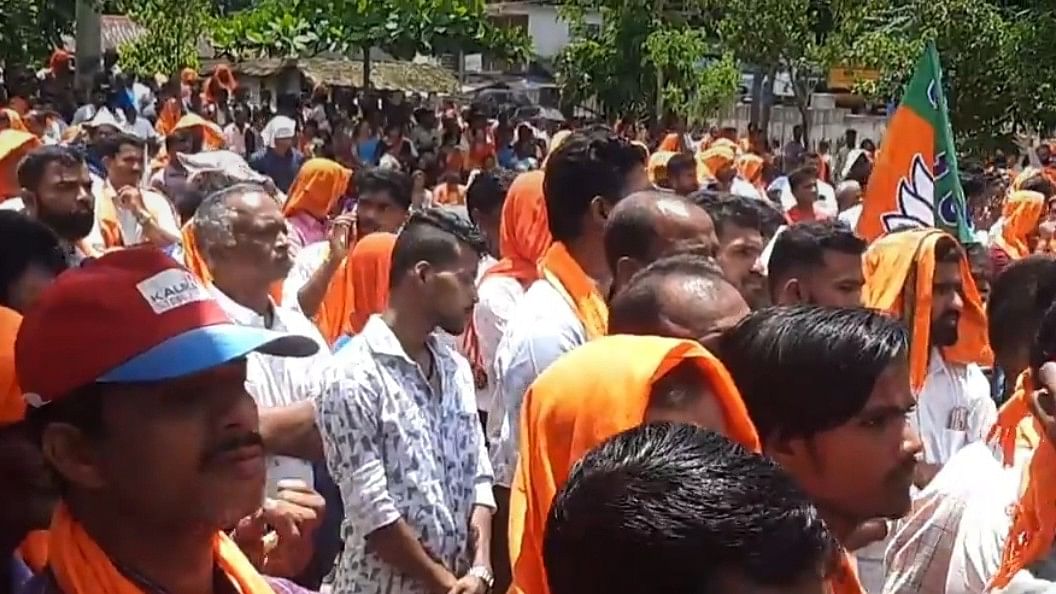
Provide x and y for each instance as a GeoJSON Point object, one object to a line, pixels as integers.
{"type": "Point", "coordinates": [1040, 184]}
{"type": "Point", "coordinates": [1019, 297]}
{"type": "Point", "coordinates": [801, 175]}
{"type": "Point", "coordinates": [488, 191]}
{"type": "Point", "coordinates": [820, 363]}
{"type": "Point", "coordinates": [680, 163]}
{"type": "Point", "coordinates": [637, 307]}
{"type": "Point", "coordinates": [81, 408]}
{"type": "Point", "coordinates": [110, 146]}
{"type": "Point", "coordinates": [681, 387]}
{"type": "Point", "coordinates": [432, 235]}
{"type": "Point", "coordinates": [803, 245]}
{"type": "Point", "coordinates": [948, 251]}
{"type": "Point", "coordinates": [750, 213]}
{"type": "Point", "coordinates": [582, 168]}
{"type": "Point", "coordinates": [631, 229]}
{"type": "Point", "coordinates": [25, 242]}
{"type": "Point", "coordinates": [672, 508]}
{"type": "Point", "coordinates": [31, 169]}
{"type": "Point", "coordinates": [377, 179]}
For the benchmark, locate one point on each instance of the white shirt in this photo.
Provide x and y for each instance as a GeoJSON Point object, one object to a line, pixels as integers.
{"type": "Point", "coordinates": [306, 262]}
{"type": "Point", "coordinates": [826, 195]}
{"type": "Point", "coordinates": [280, 381]}
{"type": "Point", "coordinates": [951, 542]}
{"type": "Point", "coordinates": [498, 297]}
{"type": "Point", "coordinates": [235, 138]}
{"type": "Point", "coordinates": [851, 215]}
{"type": "Point", "coordinates": [954, 409]}
{"type": "Point", "coordinates": [740, 187]}
{"type": "Point", "coordinates": [131, 230]}
{"type": "Point", "coordinates": [399, 450]}
{"type": "Point", "coordinates": [542, 328]}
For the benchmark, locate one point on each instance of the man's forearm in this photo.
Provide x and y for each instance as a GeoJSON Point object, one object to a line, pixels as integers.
{"type": "Point", "coordinates": [311, 295]}
{"type": "Point", "coordinates": [291, 431]}
{"type": "Point", "coordinates": [398, 546]}
{"type": "Point", "coordinates": [480, 535]}
{"type": "Point", "coordinates": [154, 233]}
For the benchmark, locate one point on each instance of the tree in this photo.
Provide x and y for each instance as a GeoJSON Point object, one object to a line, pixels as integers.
{"type": "Point", "coordinates": [299, 28]}
{"type": "Point", "coordinates": [647, 59]}
{"type": "Point", "coordinates": [170, 40]}
{"type": "Point", "coordinates": [32, 29]}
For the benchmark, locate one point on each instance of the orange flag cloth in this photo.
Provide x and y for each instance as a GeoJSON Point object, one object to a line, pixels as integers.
{"type": "Point", "coordinates": [14, 144]}
{"type": "Point", "coordinates": [1022, 212]}
{"type": "Point", "coordinates": [1034, 516]}
{"type": "Point", "coordinates": [81, 567]}
{"type": "Point", "coordinates": [318, 186]}
{"type": "Point", "coordinates": [580, 291]}
{"type": "Point", "coordinates": [584, 398]}
{"type": "Point", "coordinates": [897, 259]}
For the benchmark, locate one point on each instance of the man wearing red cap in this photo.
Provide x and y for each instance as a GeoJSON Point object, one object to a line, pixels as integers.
{"type": "Point", "coordinates": [135, 380]}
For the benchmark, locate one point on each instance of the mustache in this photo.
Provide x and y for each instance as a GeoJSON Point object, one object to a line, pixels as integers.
{"type": "Point", "coordinates": [233, 443]}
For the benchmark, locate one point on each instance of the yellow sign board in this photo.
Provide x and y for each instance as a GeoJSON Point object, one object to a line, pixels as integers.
{"type": "Point", "coordinates": [846, 78]}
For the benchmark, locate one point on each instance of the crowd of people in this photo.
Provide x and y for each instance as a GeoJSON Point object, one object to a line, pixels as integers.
{"type": "Point", "coordinates": [266, 349]}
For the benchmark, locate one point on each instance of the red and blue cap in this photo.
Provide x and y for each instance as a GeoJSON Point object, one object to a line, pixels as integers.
{"type": "Point", "coordinates": [133, 315]}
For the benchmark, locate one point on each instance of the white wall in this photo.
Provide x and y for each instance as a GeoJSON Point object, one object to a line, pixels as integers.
{"type": "Point", "coordinates": [548, 31]}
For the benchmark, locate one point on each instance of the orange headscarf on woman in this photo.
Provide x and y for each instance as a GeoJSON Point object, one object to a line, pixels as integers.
{"type": "Point", "coordinates": [584, 398]}
{"type": "Point", "coordinates": [1021, 214]}
{"type": "Point", "coordinates": [750, 168]}
{"type": "Point", "coordinates": [222, 78]}
{"type": "Point", "coordinates": [14, 144]}
{"type": "Point", "coordinates": [524, 231]}
{"type": "Point", "coordinates": [168, 117]}
{"type": "Point", "coordinates": [359, 288]}
{"type": "Point", "coordinates": [317, 187]}
{"type": "Point", "coordinates": [897, 259]}
{"type": "Point", "coordinates": [713, 160]}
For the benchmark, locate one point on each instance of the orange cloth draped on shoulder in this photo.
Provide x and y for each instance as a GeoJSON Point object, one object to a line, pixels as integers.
{"type": "Point", "coordinates": [106, 214]}
{"type": "Point", "coordinates": [34, 549]}
{"type": "Point", "coordinates": [14, 120]}
{"type": "Point", "coordinates": [580, 291]}
{"type": "Point", "coordinates": [370, 263]}
{"type": "Point", "coordinates": [168, 117]}
{"type": "Point", "coordinates": [14, 144]}
{"type": "Point", "coordinates": [193, 259]}
{"type": "Point", "coordinates": [1033, 516]}
{"type": "Point", "coordinates": [1022, 213]}
{"type": "Point", "coordinates": [80, 566]}
{"type": "Point", "coordinates": [657, 167]}
{"type": "Point", "coordinates": [584, 398]}
{"type": "Point", "coordinates": [713, 160]}
{"type": "Point", "coordinates": [318, 186]}
{"type": "Point", "coordinates": [898, 258]}
{"type": "Point", "coordinates": [844, 579]}
{"type": "Point", "coordinates": [672, 143]}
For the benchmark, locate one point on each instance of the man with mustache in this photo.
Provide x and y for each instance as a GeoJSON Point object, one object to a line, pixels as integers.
{"type": "Point", "coordinates": [820, 426]}
{"type": "Point", "coordinates": [135, 378]}
{"type": "Point", "coordinates": [923, 277]}
{"type": "Point", "coordinates": [56, 190]}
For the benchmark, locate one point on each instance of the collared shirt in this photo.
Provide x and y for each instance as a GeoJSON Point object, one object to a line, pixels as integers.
{"type": "Point", "coordinates": [306, 262]}
{"type": "Point", "coordinates": [498, 297]}
{"type": "Point", "coordinates": [280, 381]}
{"type": "Point", "coordinates": [282, 169]}
{"type": "Point", "coordinates": [954, 408]}
{"type": "Point", "coordinates": [131, 230]}
{"type": "Point", "coordinates": [542, 329]}
{"type": "Point", "coordinates": [399, 450]}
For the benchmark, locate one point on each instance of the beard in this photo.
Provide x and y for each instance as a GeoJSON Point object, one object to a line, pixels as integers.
{"type": "Point", "coordinates": [944, 330]}
{"type": "Point", "coordinates": [68, 226]}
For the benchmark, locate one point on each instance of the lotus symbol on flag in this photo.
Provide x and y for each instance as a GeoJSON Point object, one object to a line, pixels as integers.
{"type": "Point", "coordinates": [915, 202]}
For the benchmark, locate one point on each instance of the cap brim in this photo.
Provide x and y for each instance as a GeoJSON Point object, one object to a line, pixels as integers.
{"type": "Point", "coordinates": [207, 347]}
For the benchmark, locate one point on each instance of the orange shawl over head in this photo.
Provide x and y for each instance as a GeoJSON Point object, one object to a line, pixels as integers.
{"type": "Point", "coordinates": [584, 398]}
{"type": "Point", "coordinates": [897, 259]}
{"type": "Point", "coordinates": [222, 78]}
{"type": "Point", "coordinates": [318, 186]}
{"type": "Point", "coordinates": [369, 264]}
{"type": "Point", "coordinates": [80, 566]}
{"type": "Point", "coordinates": [14, 144]}
{"type": "Point", "coordinates": [524, 231]}
{"type": "Point", "coordinates": [657, 167]}
{"type": "Point", "coordinates": [580, 291]}
{"type": "Point", "coordinates": [168, 117]}
{"type": "Point", "coordinates": [672, 143]}
{"type": "Point", "coordinates": [750, 168]}
{"type": "Point", "coordinates": [1021, 212]}
{"type": "Point", "coordinates": [212, 135]}
{"type": "Point", "coordinates": [713, 160]}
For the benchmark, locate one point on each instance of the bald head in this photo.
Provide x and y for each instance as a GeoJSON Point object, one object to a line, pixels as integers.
{"type": "Point", "coordinates": [680, 296]}
{"type": "Point", "coordinates": [648, 225]}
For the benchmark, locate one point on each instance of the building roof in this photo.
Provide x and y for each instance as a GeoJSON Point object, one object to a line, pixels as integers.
{"type": "Point", "coordinates": [408, 77]}
{"type": "Point", "coordinates": [117, 29]}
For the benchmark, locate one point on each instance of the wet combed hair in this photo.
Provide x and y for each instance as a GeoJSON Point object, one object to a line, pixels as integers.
{"type": "Point", "coordinates": [583, 167]}
{"type": "Point", "coordinates": [31, 169]}
{"type": "Point", "coordinates": [806, 369]}
{"type": "Point", "coordinates": [110, 146]}
{"type": "Point", "coordinates": [637, 309]}
{"type": "Point", "coordinates": [25, 242]}
{"type": "Point", "coordinates": [679, 163]}
{"type": "Point", "coordinates": [803, 245]}
{"type": "Point", "coordinates": [488, 191]}
{"type": "Point", "coordinates": [1019, 297]}
{"type": "Point", "coordinates": [741, 211]}
{"type": "Point", "coordinates": [674, 508]}
{"type": "Point", "coordinates": [377, 179]}
{"type": "Point", "coordinates": [432, 235]}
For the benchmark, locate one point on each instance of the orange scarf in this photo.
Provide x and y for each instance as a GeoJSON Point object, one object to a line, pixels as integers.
{"type": "Point", "coordinates": [844, 579]}
{"type": "Point", "coordinates": [584, 398]}
{"type": "Point", "coordinates": [524, 231]}
{"type": "Point", "coordinates": [750, 168]}
{"type": "Point", "coordinates": [317, 187]}
{"type": "Point", "coordinates": [1034, 516]}
{"type": "Point", "coordinates": [169, 117]}
{"type": "Point", "coordinates": [656, 169]}
{"type": "Point", "coordinates": [714, 160]}
{"type": "Point", "coordinates": [1021, 212]}
{"type": "Point", "coordinates": [562, 271]}
{"type": "Point", "coordinates": [371, 262]}
{"type": "Point", "coordinates": [81, 567]}
{"type": "Point", "coordinates": [672, 143]}
{"type": "Point", "coordinates": [106, 215]}
{"type": "Point", "coordinates": [14, 144]}
{"type": "Point", "coordinates": [897, 259]}
{"type": "Point", "coordinates": [14, 120]}
{"type": "Point", "coordinates": [212, 136]}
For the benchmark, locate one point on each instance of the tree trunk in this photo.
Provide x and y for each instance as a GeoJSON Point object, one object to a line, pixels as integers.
{"type": "Point", "coordinates": [366, 66]}
{"type": "Point", "coordinates": [768, 103]}
{"type": "Point", "coordinates": [660, 96]}
{"type": "Point", "coordinates": [757, 95]}
{"type": "Point", "coordinates": [802, 93]}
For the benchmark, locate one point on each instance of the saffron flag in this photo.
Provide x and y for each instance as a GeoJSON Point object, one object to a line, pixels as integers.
{"type": "Point", "coordinates": [915, 181]}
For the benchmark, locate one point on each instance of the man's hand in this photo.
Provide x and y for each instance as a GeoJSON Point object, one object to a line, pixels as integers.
{"type": "Point", "coordinates": [340, 236]}
{"type": "Point", "coordinates": [293, 517]}
{"type": "Point", "coordinates": [469, 584]}
{"type": "Point", "coordinates": [131, 199]}
{"type": "Point", "coordinates": [866, 533]}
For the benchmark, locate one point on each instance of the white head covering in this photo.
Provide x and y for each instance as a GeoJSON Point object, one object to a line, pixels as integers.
{"type": "Point", "coordinates": [847, 185]}
{"type": "Point", "coordinates": [278, 127]}
{"type": "Point", "coordinates": [104, 117]}
{"type": "Point", "coordinates": [852, 157]}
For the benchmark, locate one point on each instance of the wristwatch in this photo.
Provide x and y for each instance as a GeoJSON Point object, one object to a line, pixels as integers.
{"type": "Point", "coordinates": [483, 574]}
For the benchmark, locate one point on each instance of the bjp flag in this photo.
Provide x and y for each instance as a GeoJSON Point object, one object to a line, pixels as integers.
{"type": "Point", "coordinates": [915, 181]}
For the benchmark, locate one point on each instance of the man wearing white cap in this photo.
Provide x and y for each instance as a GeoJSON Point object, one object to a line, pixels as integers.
{"type": "Point", "coordinates": [279, 161]}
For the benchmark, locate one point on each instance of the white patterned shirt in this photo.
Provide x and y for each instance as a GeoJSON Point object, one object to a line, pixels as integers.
{"type": "Point", "coordinates": [397, 450]}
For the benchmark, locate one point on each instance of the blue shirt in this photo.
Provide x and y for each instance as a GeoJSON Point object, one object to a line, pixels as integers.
{"type": "Point", "coordinates": [18, 572]}
{"type": "Point", "coordinates": [368, 151]}
{"type": "Point", "coordinates": [281, 169]}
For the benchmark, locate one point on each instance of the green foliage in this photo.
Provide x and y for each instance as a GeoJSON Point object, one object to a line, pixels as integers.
{"type": "Point", "coordinates": [292, 28]}
{"type": "Point", "coordinates": [170, 42]}
{"type": "Point", "coordinates": [32, 29]}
